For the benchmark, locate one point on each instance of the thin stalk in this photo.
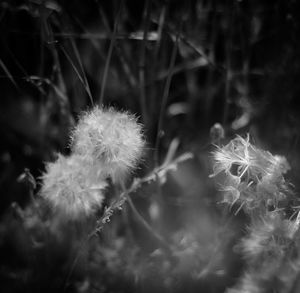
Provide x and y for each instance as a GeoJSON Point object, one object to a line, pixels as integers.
{"type": "Point", "coordinates": [140, 218]}
{"type": "Point", "coordinates": [165, 97]}
{"type": "Point", "coordinates": [9, 75]}
{"type": "Point", "coordinates": [57, 72]}
{"type": "Point", "coordinates": [228, 75]}
{"type": "Point", "coordinates": [109, 54]}
{"type": "Point", "coordinates": [86, 84]}
{"type": "Point", "coordinates": [156, 60]}
{"type": "Point", "coordinates": [142, 64]}
{"type": "Point", "coordinates": [82, 80]}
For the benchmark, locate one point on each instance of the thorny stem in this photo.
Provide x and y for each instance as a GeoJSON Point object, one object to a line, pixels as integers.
{"type": "Point", "coordinates": [137, 183]}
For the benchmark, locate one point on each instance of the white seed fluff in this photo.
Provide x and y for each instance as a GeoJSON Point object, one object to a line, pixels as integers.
{"type": "Point", "coordinates": [111, 138]}
{"type": "Point", "coordinates": [72, 188]}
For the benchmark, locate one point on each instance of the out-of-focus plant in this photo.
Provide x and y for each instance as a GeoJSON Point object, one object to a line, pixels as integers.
{"type": "Point", "coordinates": [253, 180]}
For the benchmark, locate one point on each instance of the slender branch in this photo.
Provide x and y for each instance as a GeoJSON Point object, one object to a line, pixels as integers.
{"type": "Point", "coordinates": [158, 172]}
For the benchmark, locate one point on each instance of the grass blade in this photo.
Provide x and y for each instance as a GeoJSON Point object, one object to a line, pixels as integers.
{"type": "Point", "coordinates": [7, 72]}
{"type": "Point", "coordinates": [109, 54]}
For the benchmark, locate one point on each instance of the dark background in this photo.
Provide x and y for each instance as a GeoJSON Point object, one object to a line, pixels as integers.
{"type": "Point", "coordinates": [232, 62]}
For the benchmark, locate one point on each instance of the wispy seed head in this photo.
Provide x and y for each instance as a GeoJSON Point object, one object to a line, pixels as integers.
{"type": "Point", "coordinates": [248, 175]}
{"type": "Point", "coordinates": [71, 187]}
{"type": "Point", "coordinates": [113, 139]}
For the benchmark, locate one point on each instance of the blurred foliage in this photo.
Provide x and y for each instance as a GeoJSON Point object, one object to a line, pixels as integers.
{"type": "Point", "coordinates": [182, 66]}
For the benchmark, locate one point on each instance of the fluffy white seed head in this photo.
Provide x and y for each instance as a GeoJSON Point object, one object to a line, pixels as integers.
{"type": "Point", "coordinates": [110, 138]}
{"type": "Point", "coordinates": [72, 188]}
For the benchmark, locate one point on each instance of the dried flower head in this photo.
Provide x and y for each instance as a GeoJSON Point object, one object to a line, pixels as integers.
{"type": "Point", "coordinates": [72, 188]}
{"type": "Point", "coordinates": [271, 254]}
{"type": "Point", "coordinates": [248, 283]}
{"type": "Point", "coordinates": [268, 239]}
{"type": "Point", "coordinates": [248, 175]}
{"type": "Point", "coordinates": [111, 138]}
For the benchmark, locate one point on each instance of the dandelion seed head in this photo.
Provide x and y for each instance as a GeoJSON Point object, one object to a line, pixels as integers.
{"type": "Point", "coordinates": [111, 138]}
{"type": "Point", "coordinates": [71, 187]}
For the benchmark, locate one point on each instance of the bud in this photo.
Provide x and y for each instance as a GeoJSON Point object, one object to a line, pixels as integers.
{"type": "Point", "coordinates": [217, 133]}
